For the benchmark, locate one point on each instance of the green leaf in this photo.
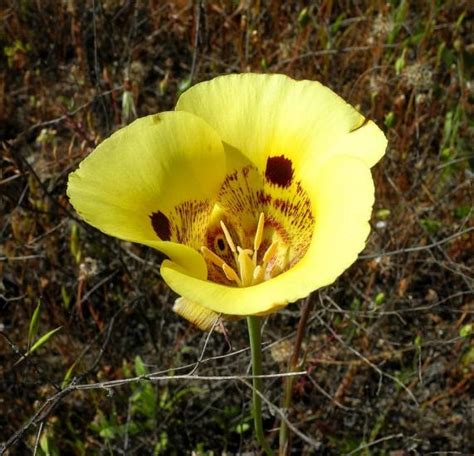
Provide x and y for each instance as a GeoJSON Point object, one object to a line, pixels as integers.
{"type": "Point", "coordinates": [43, 339]}
{"type": "Point", "coordinates": [418, 341]}
{"type": "Point", "coordinates": [337, 23]}
{"type": "Point", "coordinates": [400, 63]}
{"type": "Point", "coordinates": [462, 212]}
{"type": "Point", "coordinates": [468, 357]}
{"type": "Point", "coordinates": [161, 446]}
{"type": "Point", "coordinates": [68, 375]}
{"type": "Point", "coordinates": [379, 298]}
{"type": "Point", "coordinates": [303, 18]}
{"type": "Point", "coordinates": [460, 19]}
{"type": "Point", "coordinates": [389, 119]}
{"type": "Point", "coordinates": [74, 246]}
{"type": "Point", "coordinates": [383, 214]}
{"type": "Point", "coordinates": [110, 432]}
{"type": "Point", "coordinates": [355, 305]}
{"type": "Point", "coordinates": [242, 427]}
{"type": "Point", "coordinates": [129, 111]}
{"type": "Point", "coordinates": [65, 297]}
{"type": "Point", "coordinates": [466, 330]}
{"type": "Point", "coordinates": [184, 85]}
{"type": "Point", "coordinates": [34, 322]}
{"type": "Point", "coordinates": [140, 368]}
{"type": "Point", "coordinates": [47, 445]}
{"type": "Point", "coordinates": [431, 226]}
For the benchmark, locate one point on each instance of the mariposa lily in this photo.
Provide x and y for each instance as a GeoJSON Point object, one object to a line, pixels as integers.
{"type": "Point", "coordinates": [256, 187]}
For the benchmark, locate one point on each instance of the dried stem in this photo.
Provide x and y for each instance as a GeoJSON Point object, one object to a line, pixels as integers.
{"type": "Point", "coordinates": [293, 365]}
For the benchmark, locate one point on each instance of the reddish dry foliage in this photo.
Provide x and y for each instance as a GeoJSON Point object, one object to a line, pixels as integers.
{"type": "Point", "coordinates": [388, 369]}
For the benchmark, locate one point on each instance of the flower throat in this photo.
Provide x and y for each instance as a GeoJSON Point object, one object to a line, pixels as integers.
{"type": "Point", "coordinates": [247, 271]}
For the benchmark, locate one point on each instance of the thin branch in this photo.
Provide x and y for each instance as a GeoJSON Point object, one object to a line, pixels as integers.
{"type": "Point", "coordinates": [375, 442]}
{"type": "Point", "coordinates": [38, 437]}
{"type": "Point", "coordinates": [368, 362]}
{"type": "Point", "coordinates": [417, 248]}
{"type": "Point", "coordinates": [52, 402]}
{"type": "Point", "coordinates": [206, 342]}
{"type": "Point", "coordinates": [282, 415]}
{"type": "Point", "coordinates": [199, 8]}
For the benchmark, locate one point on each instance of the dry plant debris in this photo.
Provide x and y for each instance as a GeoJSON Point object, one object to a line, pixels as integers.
{"type": "Point", "coordinates": [388, 354]}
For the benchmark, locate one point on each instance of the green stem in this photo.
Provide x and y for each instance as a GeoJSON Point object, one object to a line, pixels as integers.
{"type": "Point", "coordinates": [288, 382]}
{"type": "Point", "coordinates": [253, 324]}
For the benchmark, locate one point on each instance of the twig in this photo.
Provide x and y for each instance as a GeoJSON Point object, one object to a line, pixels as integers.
{"type": "Point", "coordinates": [293, 364]}
{"type": "Point", "coordinates": [199, 7]}
{"type": "Point", "coordinates": [98, 285]}
{"type": "Point", "coordinates": [417, 248]}
{"type": "Point", "coordinates": [203, 351]}
{"type": "Point", "coordinates": [21, 258]}
{"type": "Point", "coordinates": [375, 442]}
{"type": "Point", "coordinates": [283, 417]}
{"type": "Point", "coordinates": [327, 395]}
{"type": "Point", "coordinates": [50, 404]}
{"type": "Point", "coordinates": [368, 362]}
{"type": "Point", "coordinates": [38, 436]}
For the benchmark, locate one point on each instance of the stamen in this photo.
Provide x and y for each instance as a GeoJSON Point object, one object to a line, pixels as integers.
{"type": "Point", "coordinates": [259, 233]}
{"type": "Point", "coordinates": [246, 271]}
{"type": "Point", "coordinates": [258, 275]}
{"type": "Point", "coordinates": [246, 267]}
{"type": "Point", "coordinates": [277, 269]}
{"type": "Point", "coordinates": [286, 258]}
{"type": "Point", "coordinates": [270, 253]}
{"type": "Point", "coordinates": [231, 274]}
{"type": "Point", "coordinates": [212, 257]}
{"type": "Point", "coordinates": [228, 237]}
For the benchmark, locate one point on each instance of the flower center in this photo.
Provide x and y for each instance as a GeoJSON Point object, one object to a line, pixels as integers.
{"type": "Point", "coordinates": [247, 270]}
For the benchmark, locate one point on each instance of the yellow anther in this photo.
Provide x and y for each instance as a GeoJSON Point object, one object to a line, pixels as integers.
{"type": "Point", "coordinates": [212, 257]}
{"type": "Point", "coordinates": [259, 233]}
{"type": "Point", "coordinates": [228, 237]}
{"type": "Point", "coordinates": [276, 270]}
{"type": "Point", "coordinates": [270, 253]}
{"type": "Point", "coordinates": [258, 275]}
{"type": "Point", "coordinates": [246, 267]}
{"type": "Point", "coordinates": [246, 271]}
{"type": "Point", "coordinates": [286, 259]}
{"type": "Point", "coordinates": [231, 274]}
{"type": "Point", "coordinates": [257, 240]}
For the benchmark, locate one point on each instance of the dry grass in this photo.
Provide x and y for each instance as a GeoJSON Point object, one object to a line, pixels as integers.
{"type": "Point", "coordinates": [389, 355]}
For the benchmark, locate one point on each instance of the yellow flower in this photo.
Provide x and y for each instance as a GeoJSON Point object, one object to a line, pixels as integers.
{"type": "Point", "coordinates": [257, 188]}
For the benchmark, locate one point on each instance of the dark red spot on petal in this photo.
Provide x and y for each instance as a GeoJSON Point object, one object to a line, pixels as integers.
{"type": "Point", "coordinates": [161, 225]}
{"type": "Point", "coordinates": [279, 171]}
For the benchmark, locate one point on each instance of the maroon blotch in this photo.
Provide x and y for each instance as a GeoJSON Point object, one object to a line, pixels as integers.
{"type": "Point", "coordinates": [161, 225]}
{"type": "Point", "coordinates": [279, 171]}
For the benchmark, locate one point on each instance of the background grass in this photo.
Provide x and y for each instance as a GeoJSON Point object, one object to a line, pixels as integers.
{"type": "Point", "coordinates": [389, 350]}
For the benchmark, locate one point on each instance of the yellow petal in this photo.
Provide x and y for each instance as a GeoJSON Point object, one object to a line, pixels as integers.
{"type": "Point", "coordinates": [267, 116]}
{"type": "Point", "coordinates": [367, 143]}
{"type": "Point", "coordinates": [199, 316]}
{"type": "Point", "coordinates": [342, 195]}
{"type": "Point", "coordinates": [154, 182]}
